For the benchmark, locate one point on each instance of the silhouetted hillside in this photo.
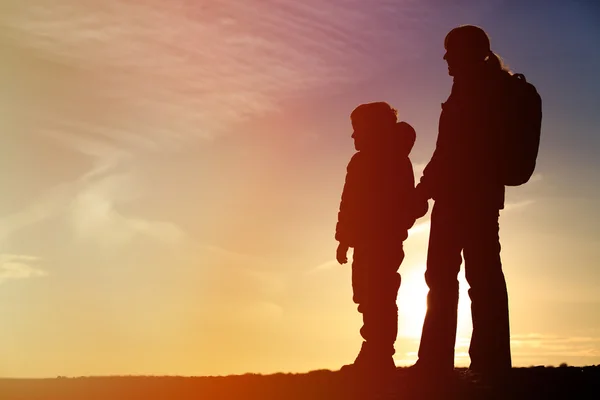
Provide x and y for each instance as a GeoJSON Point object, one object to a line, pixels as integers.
{"type": "Point", "coordinates": [525, 383]}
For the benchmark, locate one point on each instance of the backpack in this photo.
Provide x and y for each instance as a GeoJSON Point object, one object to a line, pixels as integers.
{"type": "Point", "coordinates": [522, 136]}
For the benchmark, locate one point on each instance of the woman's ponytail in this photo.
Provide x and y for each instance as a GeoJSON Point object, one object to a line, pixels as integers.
{"type": "Point", "coordinates": [495, 62]}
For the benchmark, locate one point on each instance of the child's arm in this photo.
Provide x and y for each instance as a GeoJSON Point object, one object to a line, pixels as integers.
{"type": "Point", "coordinates": [344, 231]}
{"type": "Point", "coordinates": [341, 254]}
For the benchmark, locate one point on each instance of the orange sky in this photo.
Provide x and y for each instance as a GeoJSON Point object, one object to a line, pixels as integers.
{"type": "Point", "coordinates": [171, 175]}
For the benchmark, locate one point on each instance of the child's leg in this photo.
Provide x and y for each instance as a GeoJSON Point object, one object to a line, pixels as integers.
{"type": "Point", "coordinates": [376, 281]}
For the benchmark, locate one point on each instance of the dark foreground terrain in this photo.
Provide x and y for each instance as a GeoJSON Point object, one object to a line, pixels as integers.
{"type": "Point", "coordinates": [524, 383]}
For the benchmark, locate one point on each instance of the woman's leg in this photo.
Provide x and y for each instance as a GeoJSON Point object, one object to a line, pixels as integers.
{"type": "Point", "coordinates": [436, 351]}
{"type": "Point", "coordinates": [490, 342]}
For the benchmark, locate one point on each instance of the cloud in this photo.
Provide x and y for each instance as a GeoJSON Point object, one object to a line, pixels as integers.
{"type": "Point", "coordinates": [16, 266]}
{"type": "Point", "coordinates": [536, 348]}
{"type": "Point", "coordinates": [536, 178]}
{"type": "Point", "coordinates": [232, 256]}
{"type": "Point", "coordinates": [518, 205]}
{"type": "Point", "coordinates": [94, 215]}
{"type": "Point", "coordinates": [90, 203]}
{"type": "Point", "coordinates": [44, 208]}
{"type": "Point", "coordinates": [536, 345]}
{"type": "Point", "coordinates": [194, 70]}
{"type": "Point", "coordinates": [119, 80]}
{"type": "Point", "coordinates": [252, 312]}
{"type": "Point", "coordinates": [327, 265]}
{"type": "Point", "coordinates": [246, 275]}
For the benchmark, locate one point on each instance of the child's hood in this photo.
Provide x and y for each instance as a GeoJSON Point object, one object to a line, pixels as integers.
{"type": "Point", "coordinates": [405, 136]}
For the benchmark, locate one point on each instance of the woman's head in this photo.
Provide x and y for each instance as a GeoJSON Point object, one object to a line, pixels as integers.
{"type": "Point", "coordinates": [468, 49]}
{"type": "Point", "coordinates": [371, 122]}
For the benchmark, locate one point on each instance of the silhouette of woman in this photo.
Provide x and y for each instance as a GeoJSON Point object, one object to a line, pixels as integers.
{"type": "Point", "coordinates": [463, 177]}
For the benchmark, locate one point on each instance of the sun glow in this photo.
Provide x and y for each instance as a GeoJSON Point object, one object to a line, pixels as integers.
{"type": "Point", "coordinates": [412, 304]}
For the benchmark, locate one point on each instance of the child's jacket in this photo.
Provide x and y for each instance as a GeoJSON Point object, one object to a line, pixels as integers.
{"type": "Point", "coordinates": [378, 199]}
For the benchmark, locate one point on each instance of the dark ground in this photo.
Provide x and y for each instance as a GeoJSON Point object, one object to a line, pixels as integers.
{"type": "Point", "coordinates": [524, 383]}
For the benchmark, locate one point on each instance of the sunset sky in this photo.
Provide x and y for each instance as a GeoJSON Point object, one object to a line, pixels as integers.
{"type": "Point", "coordinates": [170, 174]}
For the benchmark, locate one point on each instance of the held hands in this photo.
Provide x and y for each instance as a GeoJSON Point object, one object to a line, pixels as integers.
{"type": "Point", "coordinates": [342, 253]}
{"type": "Point", "coordinates": [421, 205]}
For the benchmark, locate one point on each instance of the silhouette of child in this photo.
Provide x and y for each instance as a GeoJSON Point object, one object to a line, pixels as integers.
{"type": "Point", "coordinates": [377, 208]}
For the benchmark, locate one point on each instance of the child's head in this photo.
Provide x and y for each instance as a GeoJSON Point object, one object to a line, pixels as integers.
{"type": "Point", "coordinates": [372, 123]}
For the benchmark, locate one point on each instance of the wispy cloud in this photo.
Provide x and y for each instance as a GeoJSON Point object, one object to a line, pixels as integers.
{"type": "Point", "coordinates": [530, 348]}
{"type": "Point", "coordinates": [196, 69]}
{"type": "Point", "coordinates": [327, 265]}
{"type": "Point", "coordinates": [94, 215]}
{"type": "Point", "coordinates": [47, 206]}
{"type": "Point", "coordinates": [90, 203]}
{"type": "Point", "coordinates": [518, 205]}
{"type": "Point", "coordinates": [536, 178]}
{"type": "Point", "coordinates": [16, 266]}
{"type": "Point", "coordinates": [253, 273]}
{"type": "Point", "coordinates": [552, 349]}
{"type": "Point", "coordinates": [118, 80]}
